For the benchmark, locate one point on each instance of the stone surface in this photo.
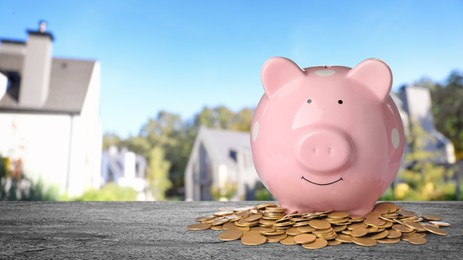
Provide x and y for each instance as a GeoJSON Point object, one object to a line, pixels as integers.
{"type": "Point", "coordinates": [158, 230]}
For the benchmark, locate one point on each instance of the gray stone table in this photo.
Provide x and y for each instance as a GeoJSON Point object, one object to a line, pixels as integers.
{"type": "Point", "coordinates": [158, 230]}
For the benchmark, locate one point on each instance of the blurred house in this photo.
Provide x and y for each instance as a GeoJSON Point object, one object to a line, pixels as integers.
{"type": "Point", "coordinates": [417, 103]}
{"type": "Point", "coordinates": [220, 163]}
{"type": "Point", "coordinates": [49, 115]}
{"type": "Point", "coordinates": [126, 169]}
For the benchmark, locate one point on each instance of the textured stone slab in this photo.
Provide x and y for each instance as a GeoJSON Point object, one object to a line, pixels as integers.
{"type": "Point", "coordinates": [158, 230]}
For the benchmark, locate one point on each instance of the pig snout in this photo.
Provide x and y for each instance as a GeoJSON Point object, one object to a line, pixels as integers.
{"type": "Point", "coordinates": [324, 150]}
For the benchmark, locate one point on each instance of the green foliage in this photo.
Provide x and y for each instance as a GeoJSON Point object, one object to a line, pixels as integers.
{"type": "Point", "coordinates": [109, 192]}
{"type": "Point", "coordinates": [225, 193]}
{"type": "Point", "coordinates": [111, 139]}
{"type": "Point", "coordinates": [158, 174]}
{"type": "Point", "coordinates": [223, 118]}
{"type": "Point", "coordinates": [261, 193]}
{"type": "Point", "coordinates": [22, 188]}
{"type": "Point", "coordinates": [422, 179]}
{"type": "Point", "coordinates": [447, 109]}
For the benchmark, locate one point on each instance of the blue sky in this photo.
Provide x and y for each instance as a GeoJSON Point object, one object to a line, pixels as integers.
{"type": "Point", "coordinates": [180, 56]}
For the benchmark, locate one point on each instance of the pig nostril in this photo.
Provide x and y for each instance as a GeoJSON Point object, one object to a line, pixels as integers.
{"type": "Point", "coordinates": [315, 150]}
{"type": "Point", "coordinates": [329, 150]}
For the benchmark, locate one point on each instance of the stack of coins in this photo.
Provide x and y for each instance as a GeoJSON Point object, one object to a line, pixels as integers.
{"type": "Point", "coordinates": [269, 223]}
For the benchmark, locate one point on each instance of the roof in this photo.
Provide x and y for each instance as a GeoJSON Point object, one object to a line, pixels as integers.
{"type": "Point", "coordinates": [69, 82]}
{"type": "Point", "coordinates": [225, 144]}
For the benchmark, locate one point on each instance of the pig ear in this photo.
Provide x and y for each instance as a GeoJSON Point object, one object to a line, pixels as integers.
{"type": "Point", "coordinates": [277, 73]}
{"type": "Point", "coordinates": [375, 75]}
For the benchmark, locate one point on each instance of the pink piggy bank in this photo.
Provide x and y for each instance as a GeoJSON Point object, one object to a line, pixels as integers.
{"type": "Point", "coordinates": [327, 138]}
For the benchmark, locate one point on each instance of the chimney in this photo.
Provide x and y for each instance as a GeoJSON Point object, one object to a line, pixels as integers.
{"type": "Point", "coordinates": [35, 79]}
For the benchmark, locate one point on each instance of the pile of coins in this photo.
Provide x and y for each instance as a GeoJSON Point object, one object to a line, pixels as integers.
{"type": "Point", "coordinates": [387, 224]}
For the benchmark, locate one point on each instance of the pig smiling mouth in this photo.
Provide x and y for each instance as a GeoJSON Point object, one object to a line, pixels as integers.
{"type": "Point", "coordinates": [321, 184]}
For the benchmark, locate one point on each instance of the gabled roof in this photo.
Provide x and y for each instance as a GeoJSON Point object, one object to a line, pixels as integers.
{"type": "Point", "coordinates": [223, 145]}
{"type": "Point", "coordinates": [69, 82]}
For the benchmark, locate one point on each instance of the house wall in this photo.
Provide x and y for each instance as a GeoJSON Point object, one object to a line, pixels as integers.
{"type": "Point", "coordinates": [87, 140]}
{"type": "Point", "coordinates": [42, 141]}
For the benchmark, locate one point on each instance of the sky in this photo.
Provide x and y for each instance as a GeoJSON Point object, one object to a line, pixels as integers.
{"type": "Point", "coordinates": [180, 56]}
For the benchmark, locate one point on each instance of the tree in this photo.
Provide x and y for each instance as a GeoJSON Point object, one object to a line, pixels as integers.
{"type": "Point", "coordinates": [175, 137]}
{"type": "Point", "coordinates": [223, 118]}
{"type": "Point", "coordinates": [111, 139]}
{"type": "Point", "coordinates": [448, 109]}
{"type": "Point", "coordinates": [158, 174]}
{"type": "Point", "coordinates": [422, 179]}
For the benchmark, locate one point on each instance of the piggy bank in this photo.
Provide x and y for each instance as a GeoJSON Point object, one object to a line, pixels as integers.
{"type": "Point", "coordinates": [327, 138]}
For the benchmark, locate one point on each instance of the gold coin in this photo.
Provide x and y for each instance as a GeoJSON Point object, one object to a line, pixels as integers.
{"type": "Point", "coordinates": [229, 226]}
{"type": "Point", "coordinates": [416, 226]}
{"type": "Point", "coordinates": [383, 206]}
{"type": "Point", "coordinates": [374, 222]}
{"type": "Point", "coordinates": [276, 238]}
{"type": "Point", "coordinates": [380, 235]}
{"type": "Point", "coordinates": [253, 217]}
{"type": "Point", "coordinates": [417, 240]}
{"type": "Point", "coordinates": [344, 238]}
{"type": "Point", "coordinates": [266, 205]}
{"type": "Point", "coordinates": [301, 223]}
{"type": "Point", "coordinates": [223, 213]}
{"type": "Point", "coordinates": [230, 235]}
{"type": "Point", "coordinates": [319, 224]}
{"type": "Point", "coordinates": [304, 238]}
{"type": "Point", "coordinates": [372, 229]}
{"type": "Point", "coordinates": [359, 232]}
{"type": "Point", "coordinates": [219, 221]}
{"type": "Point", "coordinates": [199, 226]}
{"type": "Point", "coordinates": [440, 223]}
{"type": "Point", "coordinates": [246, 228]}
{"type": "Point", "coordinates": [402, 228]}
{"type": "Point", "coordinates": [253, 239]}
{"type": "Point", "coordinates": [407, 236]}
{"type": "Point", "coordinates": [338, 215]}
{"type": "Point", "coordinates": [406, 213]}
{"type": "Point", "coordinates": [432, 217]}
{"type": "Point", "coordinates": [339, 228]}
{"type": "Point", "coordinates": [306, 229]}
{"type": "Point", "coordinates": [334, 242]}
{"type": "Point", "coordinates": [356, 219]}
{"type": "Point", "coordinates": [273, 232]}
{"type": "Point", "coordinates": [389, 240]}
{"type": "Point", "coordinates": [372, 215]}
{"type": "Point", "coordinates": [204, 218]}
{"type": "Point", "coordinates": [289, 240]}
{"type": "Point", "coordinates": [364, 241]}
{"type": "Point", "coordinates": [275, 210]}
{"type": "Point", "coordinates": [217, 227]}
{"type": "Point", "coordinates": [318, 243]}
{"type": "Point", "coordinates": [328, 236]}
{"type": "Point", "coordinates": [394, 234]}
{"type": "Point", "coordinates": [357, 225]}
{"type": "Point", "coordinates": [293, 231]}
{"type": "Point", "coordinates": [323, 231]}
{"type": "Point", "coordinates": [435, 230]}
{"type": "Point", "coordinates": [267, 222]}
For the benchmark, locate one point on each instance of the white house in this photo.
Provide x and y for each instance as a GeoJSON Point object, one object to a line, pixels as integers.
{"type": "Point", "coordinates": [417, 103]}
{"type": "Point", "coordinates": [49, 115]}
{"type": "Point", "coordinates": [126, 169]}
{"type": "Point", "coordinates": [220, 159]}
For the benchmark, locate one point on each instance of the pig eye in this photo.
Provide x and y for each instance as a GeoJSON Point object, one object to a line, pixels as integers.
{"type": "Point", "coordinates": [309, 101]}
{"type": "Point", "coordinates": [340, 102]}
